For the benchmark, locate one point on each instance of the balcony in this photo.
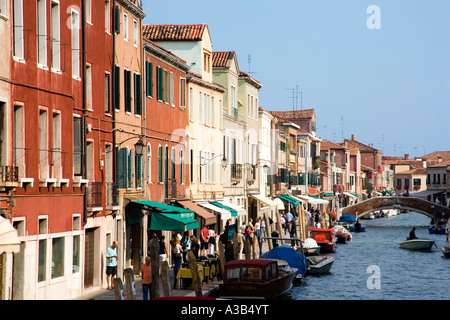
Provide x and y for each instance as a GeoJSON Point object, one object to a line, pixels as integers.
{"type": "Point", "coordinates": [251, 173]}
{"type": "Point", "coordinates": [94, 196]}
{"type": "Point", "coordinates": [236, 171]}
{"type": "Point", "coordinates": [112, 196]}
{"type": "Point", "coordinates": [9, 176]}
{"type": "Point", "coordinates": [172, 190]}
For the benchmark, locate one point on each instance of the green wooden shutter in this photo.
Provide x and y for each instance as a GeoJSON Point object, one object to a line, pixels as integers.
{"type": "Point", "coordinates": [127, 87]}
{"type": "Point", "coordinates": [117, 87]}
{"type": "Point", "coordinates": [122, 167]}
{"type": "Point", "coordinates": [149, 75]}
{"type": "Point", "coordinates": [130, 176]}
{"type": "Point", "coordinates": [159, 83]}
{"type": "Point", "coordinates": [138, 94]}
{"type": "Point", "coordinates": [116, 20]}
{"type": "Point", "coordinates": [159, 164]}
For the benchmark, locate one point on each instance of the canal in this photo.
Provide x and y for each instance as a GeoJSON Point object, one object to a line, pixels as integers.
{"type": "Point", "coordinates": [372, 266]}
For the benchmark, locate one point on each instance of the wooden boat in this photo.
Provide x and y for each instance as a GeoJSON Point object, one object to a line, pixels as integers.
{"type": "Point", "coordinates": [287, 257]}
{"type": "Point", "coordinates": [342, 234]}
{"type": "Point", "coordinates": [310, 247]}
{"type": "Point", "coordinates": [417, 244]}
{"type": "Point", "coordinates": [446, 252]}
{"type": "Point", "coordinates": [325, 239]}
{"type": "Point", "coordinates": [318, 265]}
{"type": "Point", "coordinates": [255, 279]}
{"type": "Point", "coordinates": [352, 228]}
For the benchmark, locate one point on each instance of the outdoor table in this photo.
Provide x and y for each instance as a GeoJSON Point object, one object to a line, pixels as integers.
{"type": "Point", "coordinates": [185, 273]}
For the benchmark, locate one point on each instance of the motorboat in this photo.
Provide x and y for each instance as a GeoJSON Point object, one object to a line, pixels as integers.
{"type": "Point", "coordinates": [446, 252]}
{"type": "Point", "coordinates": [325, 239]}
{"type": "Point", "coordinates": [342, 234]}
{"type": "Point", "coordinates": [318, 265]}
{"type": "Point", "coordinates": [286, 255]}
{"type": "Point", "coordinates": [434, 230]}
{"type": "Point", "coordinates": [310, 247]}
{"type": "Point", "coordinates": [357, 227]}
{"type": "Point", "coordinates": [255, 279]}
{"type": "Point", "coordinates": [417, 244]}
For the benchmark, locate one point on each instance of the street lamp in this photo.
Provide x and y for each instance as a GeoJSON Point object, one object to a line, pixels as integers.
{"type": "Point", "coordinates": [139, 147]}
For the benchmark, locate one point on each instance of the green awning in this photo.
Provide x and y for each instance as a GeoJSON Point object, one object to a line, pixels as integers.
{"type": "Point", "coordinates": [287, 198]}
{"type": "Point", "coordinates": [172, 222]}
{"type": "Point", "coordinates": [233, 212]}
{"type": "Point", "coordinates": [165, 208]}
{"type": "Point", "coordinates": [328, 195]}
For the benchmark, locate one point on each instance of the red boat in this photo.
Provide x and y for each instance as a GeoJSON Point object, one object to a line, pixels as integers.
{"type": "Point", "coordinates": [255, 279]}
{"type": "Point", "coordinates": [325, 239]}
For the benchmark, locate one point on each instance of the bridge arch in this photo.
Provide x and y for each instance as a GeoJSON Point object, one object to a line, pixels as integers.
{"type": "Point", "coordinates": [427, 208]}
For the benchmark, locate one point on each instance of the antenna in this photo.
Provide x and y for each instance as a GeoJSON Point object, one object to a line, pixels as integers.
{"type": "Point", "coordinates": [249, 64]}
{"type": "Point", "coordinates": [342, 127]}
{"type": "Point", "coordinates": [294, 97]}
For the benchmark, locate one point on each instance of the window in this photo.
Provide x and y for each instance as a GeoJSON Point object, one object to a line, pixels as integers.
{"type": "Point", "coordinates": [56, 37]}
{"type": "Point", "coordinates": [77, 146]}
{"type": "Point", "coordinates": [3, 7]}
{"type": "Point", "coordinates": [56, 151]}
{"type": "Point", "coordinates": [116, 20]}
{"type": "Point", "coordinates": [191, 103]}
{"type": "Point", "coordinates": [399, 183]}
{"type": "Point", "coordinates": [149, 78]}
{"type": "Point", "coordinates": [182, 93]}
{"type": "Point", "coordinates": [192, 165]}
{"type": "Point", "coordinates": [75, 27]}
{"type": "Point", "coordinates": [213, 169]}
{"type": "Point", "coordinates": [76, 254]}
{"type": "Point", "coordinates": [41, 32]}
{"type": "Point", "coordinates": [88, 87]}
{"type": "Point", "coordinates": [107, 93]}
{"type": "Point", "coordinates": [200, 108]}
{"type": "Point", "coordinates": [43, 144]}
{"type": "Point", "coordinates": [42, 266]}
{"type": "Point", "coordinates": [417, 182]}
{"type": "Point", "coordinates": [57, 257]}
{"type": "Point", "coordinates": [116, 80]}
{"type": "Point", "coordinates": [220, 113]}
{"type": "Point", "coordinates": [206, 62]}
{"type": "Point", "coordinates": [173, 159]}
{"type": "Point", "coordinates": [130, 173]}
{"type": "Point", "coordinates": [207, 109]}
{"type": "Point", "coordinates": [127, 90]}
{"type": "Point", "coordinates": [88, 6]}
{"type": "Point", "coordinates": [200, 167]}
{"type": "Point", "coordinates": [137, 94]}
{"type": "Point", "coordinates": [125, 26]}
{"type": "Point", "coordinates": [181, 166]}
{"type": "Point", "coordinates": [122, 167]}
{"type": "Point", "coordinates": [213, 111]}
{"type": "Point", "coordinates": [90, 161]}
{"type": "Point", "coordinates": [171, 91]}
{"type": "Point", "coordinates": [139, 163]}
{"type": "Point", "coordinates": [108, 16]}
{"type": "Point", "coordinates": [18, 29]}
{"type": "Point", "coordinates": [149, 164]}
{"type": "Point", "coordinates": [160, 164]}
{"type": "Point", "coordinates": [234, 111]}
{"type": "Point", "coordinates": [135, 33]}
{"type": "Point", "coordinates": [19, 141]}
{"type": "Point", "coordinates": [159, 83]}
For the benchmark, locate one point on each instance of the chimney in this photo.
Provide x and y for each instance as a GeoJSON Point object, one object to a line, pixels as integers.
{"type": "Point", "coordinates": [406, 156]}
{"type": "Point", "coordinates": [354, 137]}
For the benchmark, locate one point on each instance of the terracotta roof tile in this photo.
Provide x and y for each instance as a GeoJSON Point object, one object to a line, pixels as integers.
{"type": "Point", "coordinates": [414, 171]}
{"type": "Point", "coordinates": [327, 145]}
{"type": "Point", "coordinates": [167, 32]}
{"type": "Point", "coordinates": [296, 114]}
{"type": "Point", "coordinates": [220, 58]}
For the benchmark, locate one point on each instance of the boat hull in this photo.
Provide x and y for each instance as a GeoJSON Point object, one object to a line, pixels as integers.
{"type": "Point", "coordinates": [417, 244]}
{"type": "Point", "coordinates": [313, 251]}
{"type": "Point", "coordinates": [320, 265]}
{"type": "Point", "coordinates": [327, 247]}
{"type": "Point", "coordinates": [342, 237]}
{"type": "Point", "coordinates": [252, 290]}
{"type": "Point", "coordinates": [361, 229]}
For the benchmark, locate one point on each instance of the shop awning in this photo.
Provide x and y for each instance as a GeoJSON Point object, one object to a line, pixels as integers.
{"type": "Point", "coordinates": [209, 217]}
{"type": "Point", "coordinates": [351, 195]}
{"type": "Point", "coordinates": [289, 199]}
{"type": "Point", "coordinates": [164, 208]}
{"type": "Point", "coordinates": [313, 200]}
{"type": "Point", "coordinates": [265, 200]}
{"type": "Point", "coordinates": [9, 241]}
{"type": "Point", "coordinates": [426, 193]}
{"type": "Point", "coordinates": [235, 210]}
{"type": "Point", "coordinates": [280, 204]}
{"type": "Point", "coordinates": [172, 222]}
{"type": "Point", "coordinates": [224, 213]}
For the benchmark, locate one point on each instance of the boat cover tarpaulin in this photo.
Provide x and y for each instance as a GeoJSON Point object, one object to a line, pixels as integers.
{"type": "Point", "coordinates": [294, 258]}
{"type": "Point", "coordinates": [347, 218]}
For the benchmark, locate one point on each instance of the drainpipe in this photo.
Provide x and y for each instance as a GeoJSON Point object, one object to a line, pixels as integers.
{"type": "Point", "coordinates": [113, 91]}
{"type": "Point", "coordinates": [84, 124]}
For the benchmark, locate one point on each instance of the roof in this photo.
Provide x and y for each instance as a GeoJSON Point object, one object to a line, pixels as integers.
{"type": "Point", "coordinates": [327, 145]}
{"type": "Point", "coordinates": [174, 32]}
{"type": "Point", "coordinates": [296, 114]}
{"type": "Point", "coordinates": [440, 164]}
{"type": "Point", "coordinates": [414, 171]}
{"type": "Point", "coordinates": [416, 163]}
{"type": "Point", "coordinates": [220, 59]}
{"type": "Point", "coordinates": [356, 144]}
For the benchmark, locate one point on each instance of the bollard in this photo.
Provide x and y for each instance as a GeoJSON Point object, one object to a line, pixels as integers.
{"type": "Point", "coordinates": [119, 293]}
{"type": "Point", "coordinates": [275, 234]}
{"type": "Point", "coordinates": [130, 285]}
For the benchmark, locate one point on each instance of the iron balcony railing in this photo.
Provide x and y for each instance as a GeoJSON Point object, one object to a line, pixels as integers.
{"type": "Point", "coordinates": [236, 171]}
{"type": "Point", "coordinates": [9, 174]}
{"type": "Point", "coordinates": [112, 194]}
{"type": "Point", "coordinates": [94, 194]}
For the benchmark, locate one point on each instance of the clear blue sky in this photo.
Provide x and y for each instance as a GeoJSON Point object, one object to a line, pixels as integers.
{"type": "Point", "coordinates": [388, 86]}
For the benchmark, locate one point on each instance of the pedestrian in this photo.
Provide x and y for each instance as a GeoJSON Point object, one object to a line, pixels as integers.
{"type": "Point", "coordinates": [194, 246]}
{"type": "Point", "coordinates": [146, 273]}
{"type": "Point", "coordinates": [204, 240]}
{"type": "Point", "coordinates": [111, 264]}
{"type": "Point", "coordinates": [211, 241]}
{"type": "Point", "coordinates": [186, 245]}
{"type": "Point", "coordinates": [258, 229]}
{"type": "Point", "coordinates": [176, 252]}
{"type": "Point", "coordinates": [162, 249]}
{"type": "Point", "coordinates": [317, 219]}
{"type": "Point", "coordinates": [283, 223]}
{"type": "Point", "coordinates": [263, 228]}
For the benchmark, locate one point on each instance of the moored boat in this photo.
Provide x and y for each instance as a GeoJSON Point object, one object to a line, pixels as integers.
{"type": "Point", "coordinates": [446, 252]}
{"type": "Point", "coordinates": [286, 255]}
{"type": "Point", "coordinates": [255, 279]}
{"type": "Point", "coordinates": [325, 239]}
{"type": "Point", "coordinates": [318, 265]}
{"type": "Point", "coordinates": [342, 234]}
{"type": "Point", "coordinates": [310, 247]}
{"type": "Point", "coordinates": [417, 244]}
{"type": "Point", "coordinates": [433, 230]}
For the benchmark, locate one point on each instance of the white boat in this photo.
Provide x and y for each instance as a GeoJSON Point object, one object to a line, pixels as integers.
{"type": "Point", "coordinates": [310, 247]}
{"type": "Point", "coordinates": [417, 244]}
{"type": "Point", "coordinates": [319, 264]}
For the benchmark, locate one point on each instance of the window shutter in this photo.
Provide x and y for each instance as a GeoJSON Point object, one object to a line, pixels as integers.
{"type": "Point", "coordinates": [117, 87]}
{"type": "Point", "coordinates": [130, 169]}
{"type": "Point", "coordinates": [160, 164]}
{"type": "Point", "coordinates": [116, 20]}
{"type": "Point", "coordinates": [127, 87]}
{"type": "Point", "coordinates": [149, 79]}
{"type": "Point", "coordinates": [122, 167]}
{"type": "Point", "coordinates": [138, 94]}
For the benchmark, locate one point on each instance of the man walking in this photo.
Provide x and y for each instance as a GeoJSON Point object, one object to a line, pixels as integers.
{"type": "Point", "coordinates": [146, 271]}
{"type": "Point", "coordinates": [111, 264]}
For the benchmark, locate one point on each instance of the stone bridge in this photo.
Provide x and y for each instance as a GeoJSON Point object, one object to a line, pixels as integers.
{"type": "Point", "coordinates": [430, 209]}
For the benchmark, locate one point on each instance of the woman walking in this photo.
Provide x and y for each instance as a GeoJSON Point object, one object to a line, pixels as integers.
{"type": "Point", "coordinates": [176, 251]}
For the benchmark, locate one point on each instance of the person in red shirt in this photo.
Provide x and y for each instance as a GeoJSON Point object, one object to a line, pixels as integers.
{"type": "Point", "coordinates": [204, 241]}
{"type": "Point", "coordinates": [146, 271]}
